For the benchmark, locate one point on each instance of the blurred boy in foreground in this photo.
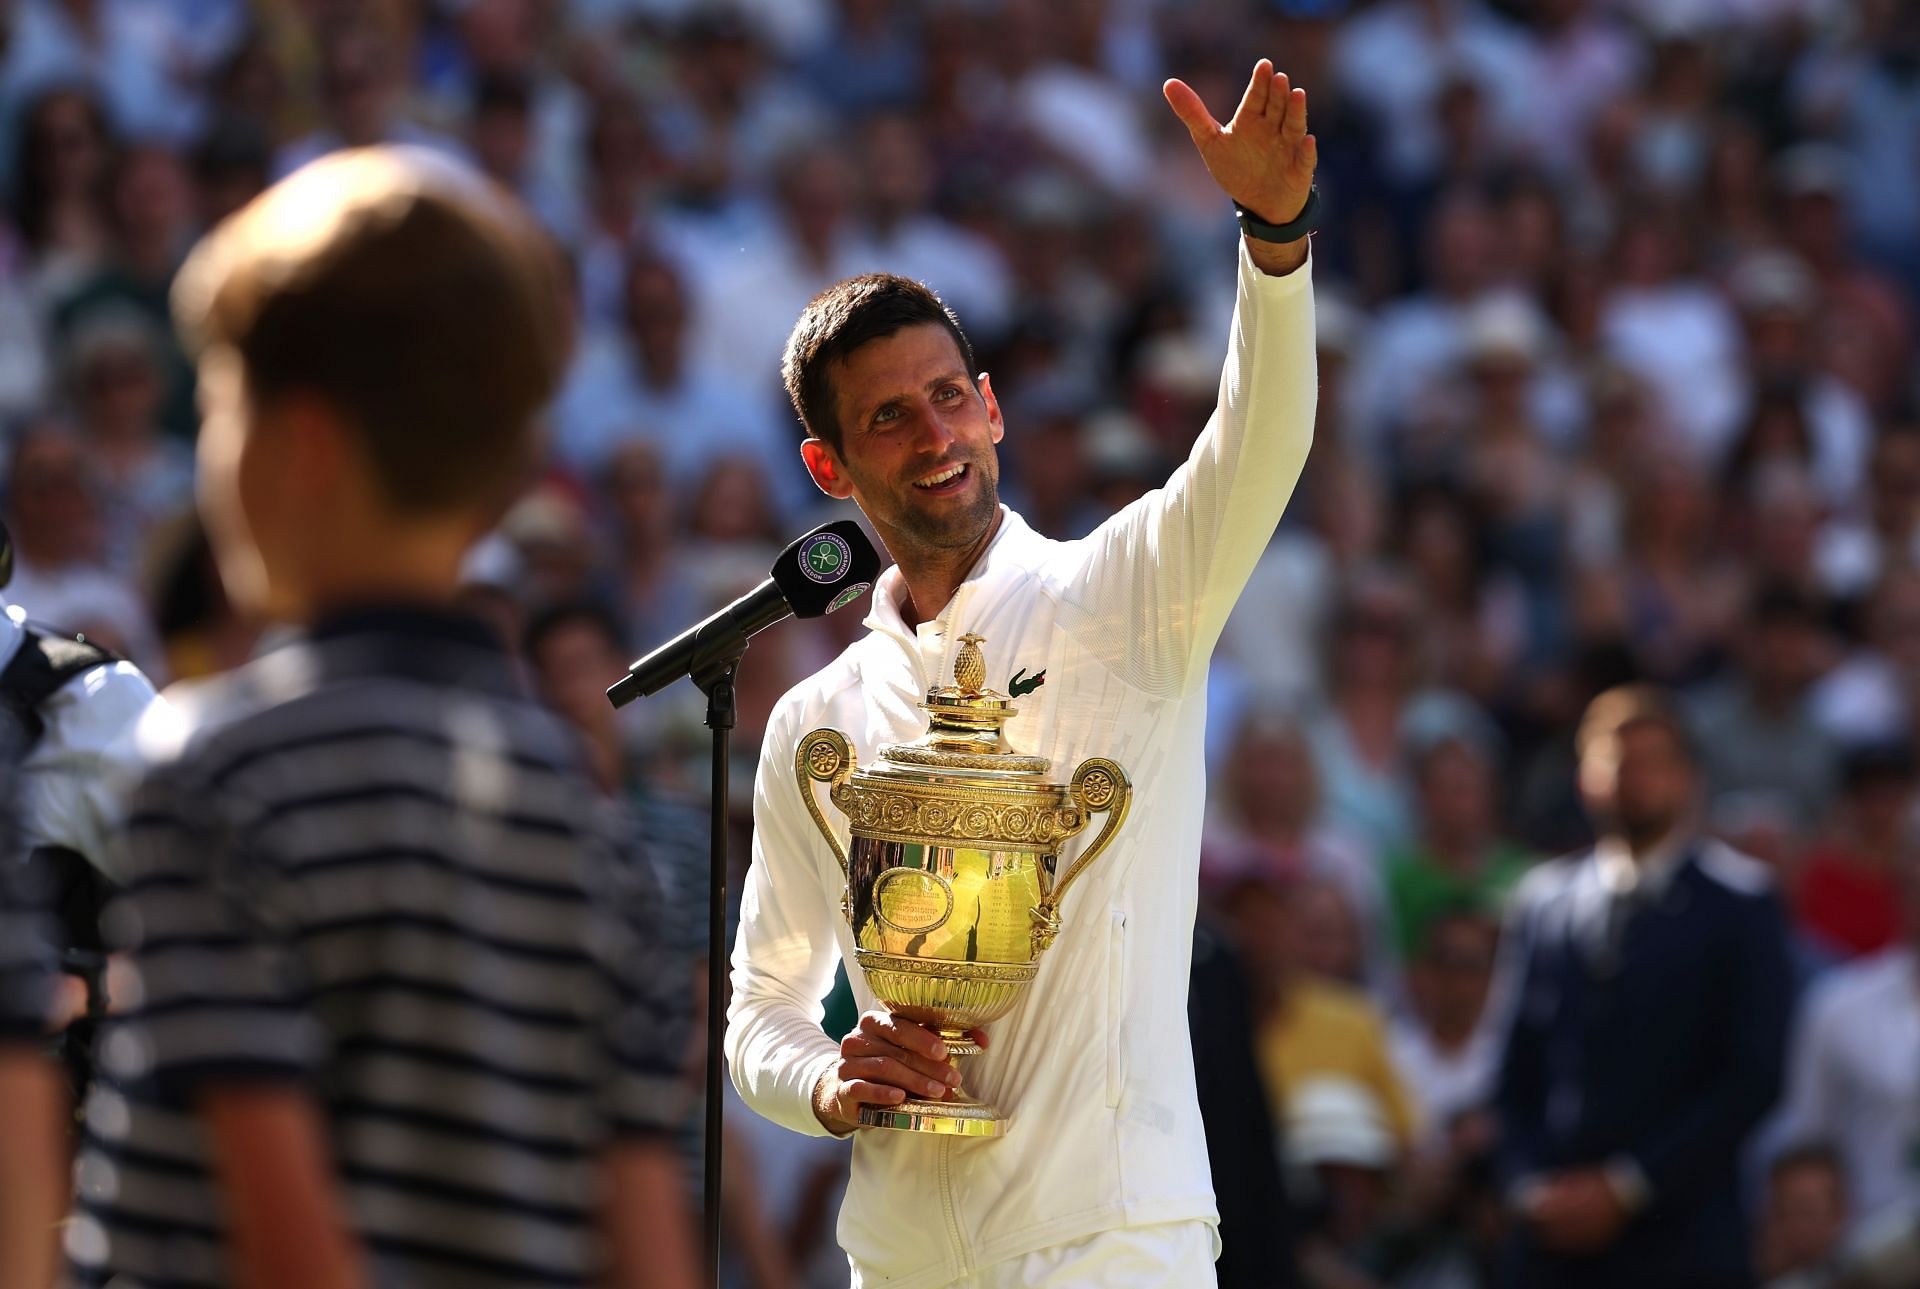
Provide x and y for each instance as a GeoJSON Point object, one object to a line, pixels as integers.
{"type": "Point", "coordinates": [397, 1017]}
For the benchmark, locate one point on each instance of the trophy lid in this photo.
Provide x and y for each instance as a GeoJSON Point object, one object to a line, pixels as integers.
{"type": "Point", "coordinates": [966, 720]}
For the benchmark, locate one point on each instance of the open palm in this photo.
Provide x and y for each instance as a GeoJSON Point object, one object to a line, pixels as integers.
{"type": "Point", "coordinates": [1264, 157]}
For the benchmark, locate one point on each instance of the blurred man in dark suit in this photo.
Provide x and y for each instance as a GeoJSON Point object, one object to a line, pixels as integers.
{"type": "Point", "coordinates": [1649, 997]}
{"type": "Point", "coordinates": [1258, 1220]}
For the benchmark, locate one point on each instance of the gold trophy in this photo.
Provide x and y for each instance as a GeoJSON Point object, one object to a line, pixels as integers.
{"type": "Point", "coordinates": [951, 885]}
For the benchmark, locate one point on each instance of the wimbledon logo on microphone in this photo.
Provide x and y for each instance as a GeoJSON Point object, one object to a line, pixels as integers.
{"type": "Point", "coordinates": [849, 595]}
{"type": "Point", "coordinates": [826, 558]}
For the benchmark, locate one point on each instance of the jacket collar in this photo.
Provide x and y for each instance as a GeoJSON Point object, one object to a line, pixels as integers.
{"type": "Point", "coordinates": [1008, 552]}
{"type": "Point", "coordinates": [1648, 876]}
{"type": "Point", "coordinates": [13, 629]}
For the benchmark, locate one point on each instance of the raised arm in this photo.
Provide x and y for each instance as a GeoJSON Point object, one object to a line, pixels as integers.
{"type": "Point", "coordinates": [1263, 158]}
{"type": "Point", "coordinates": [1159, 579]}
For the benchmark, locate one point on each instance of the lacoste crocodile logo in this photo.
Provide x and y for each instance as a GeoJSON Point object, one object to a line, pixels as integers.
{"type": "Point", "coordinates": [1020, 685]}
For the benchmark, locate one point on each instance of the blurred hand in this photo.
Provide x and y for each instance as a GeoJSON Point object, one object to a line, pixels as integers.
{"type": "Point", "coordinates": [1576, 1212]}
{"type": "Point", "coordinates": [884, 1060]}
{"type": "Point", "coordinates": [1264, 157]}
{"type": "Point", "coordinates": [69, 1003]}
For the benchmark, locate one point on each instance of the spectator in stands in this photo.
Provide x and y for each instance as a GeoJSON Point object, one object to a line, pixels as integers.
{"type": "Point", "coordinates": [232, 164]}
{"type": "Point", "coordinates": [61, 163]}
{"type": "Point", "coordinates": [1873, 694]}
{"type": "Point", "coordinates": [1625, 1102]}
{"type": "Point", "coordinates": [649, 383]}
{"type": "Point", "coordinates": [1416, 341]}
{"type": "Point", "coordinates": [651, 584]}
{"type": "Point", "coordinates": [1804, 1225]}
{"type": "Point", "coordinates": [1458, 859]}
{"type": "Point", "coordinates": [1848, 890]}
{"type": "Point", "coordinates": [1852, 1082]}
{"type": "Point", "coordinates": [61, 578]}
{"type": "Point", "coordinates": [1342, 1153]}
{"type": "Point", "coordinates": [116, 374]}
{"type": "Point", "coordinates": [1781, 315]}
{"type": "Point", "coordinates": [502, 141]}
{"type": "Point", "coordinates": [1664, 322]}
{"type": "Point", "coordinates": [1311, 1025]}
{"type": "Point", "coordinates": [1444, 1052]}
{"type": "Point", "coordinates": [1856, 550]}
{"type": "Point", "coordinates": [1679, 592]}
{"type": "Point", "coordinates": [363, 92]}
{"type": "Point", "coordinates": [1756, 728]}
{"type": "Point", "coordinates": [909, 237]}
{"type": "Point", "coordinates": [1868, 321]}
{"type": "Point", "coordinates": [1272, 824]}
{"type": "Point", "coordinates": [1374, 666]}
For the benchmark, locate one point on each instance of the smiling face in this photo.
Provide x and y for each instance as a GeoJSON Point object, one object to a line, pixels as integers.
{"type": "Point", "coordinates": [917, 440]}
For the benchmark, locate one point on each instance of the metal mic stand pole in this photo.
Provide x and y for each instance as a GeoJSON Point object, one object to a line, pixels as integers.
{"type": "Point", "coordinates": [715, 677]}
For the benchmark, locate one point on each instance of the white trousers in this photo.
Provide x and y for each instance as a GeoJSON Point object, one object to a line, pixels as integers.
{"type": "Point", "coordinates": [1176, 1255]}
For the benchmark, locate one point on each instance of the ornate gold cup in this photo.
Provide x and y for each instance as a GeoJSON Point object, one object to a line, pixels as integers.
{"type": "Point", "coordinates": [951, 885]}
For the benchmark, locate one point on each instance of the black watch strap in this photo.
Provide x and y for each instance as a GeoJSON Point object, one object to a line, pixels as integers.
{"type": "Point", "coordinates": [1292, 231]}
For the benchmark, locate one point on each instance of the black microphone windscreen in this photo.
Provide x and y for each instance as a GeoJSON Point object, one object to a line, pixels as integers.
{"type": "Point", "coordinates": [827, 569]}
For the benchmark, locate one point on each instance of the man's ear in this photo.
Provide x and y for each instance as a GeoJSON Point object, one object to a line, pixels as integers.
{"type": "Point", "coordinates": [314, 441]}
{"type": "Point", "coordinates": [997, 427]}
{"type": "Point", "coordinates": [823, 463]}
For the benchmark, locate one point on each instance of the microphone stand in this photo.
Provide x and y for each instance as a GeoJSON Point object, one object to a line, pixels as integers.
{"type": "Point", "coordinates": [835, 556]}
{"type": "Point", "coordinates": [718, 648]}
{"type": "Point", "coordinates": [714, 675]}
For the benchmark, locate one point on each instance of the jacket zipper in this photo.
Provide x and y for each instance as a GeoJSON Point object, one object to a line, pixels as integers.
{"type": "Point", "coordinates": [946, 1202]}
{"type": "Point", "coordinates": [948, 649]}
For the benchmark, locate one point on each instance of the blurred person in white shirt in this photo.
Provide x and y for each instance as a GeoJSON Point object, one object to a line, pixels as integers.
{"type": "Point", "coordinates": [54, 496]}
{"type": "Point", "coordinates": [1854, 1071]}
{"type": "Point", "coordinates": [650, 381]}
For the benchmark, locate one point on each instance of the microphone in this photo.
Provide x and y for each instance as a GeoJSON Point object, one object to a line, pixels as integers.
{"type": "Point", "coordinates": [827, 569]}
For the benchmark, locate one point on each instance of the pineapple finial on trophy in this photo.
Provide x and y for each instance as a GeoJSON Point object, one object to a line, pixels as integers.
{"type": "Point", "coordinates": [970, 666]}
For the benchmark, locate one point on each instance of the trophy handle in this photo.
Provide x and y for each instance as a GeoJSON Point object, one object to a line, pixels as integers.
{"type": "Point", "coordinates": [1097, 785]}
{"type": "Point", "coordinates": [825, 755]}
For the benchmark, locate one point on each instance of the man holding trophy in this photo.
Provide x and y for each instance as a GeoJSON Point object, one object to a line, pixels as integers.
{"type": "Point", "coordinates": [906, 814]}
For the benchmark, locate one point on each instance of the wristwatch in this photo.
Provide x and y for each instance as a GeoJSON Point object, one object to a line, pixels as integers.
{"type": "Point", "coordinates": [1291, 231]}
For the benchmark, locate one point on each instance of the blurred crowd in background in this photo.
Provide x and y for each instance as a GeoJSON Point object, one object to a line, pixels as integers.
{"type": "Point", "coordinates": [1616, 325]}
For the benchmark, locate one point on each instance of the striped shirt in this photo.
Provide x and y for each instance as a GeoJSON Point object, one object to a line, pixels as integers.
{"type": "Point", "coordinates": [27, 939]}
{"type": "Point", "coordinates": [366, 865]}
{"type": "Point", "coordinates": [27, 928]}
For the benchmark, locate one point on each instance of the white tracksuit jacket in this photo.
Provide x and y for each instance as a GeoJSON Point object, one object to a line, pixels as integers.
{"type": "Point", "coordinates": [1093, 1066]}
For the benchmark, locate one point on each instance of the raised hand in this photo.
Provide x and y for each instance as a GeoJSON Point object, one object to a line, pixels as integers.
{"type": "Point", "coordinates": [1264, 157]}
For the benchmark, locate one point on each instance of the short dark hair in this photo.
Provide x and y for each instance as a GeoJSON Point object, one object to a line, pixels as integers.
{"type": "Point", "coordinates": [1477, 911]}
{"type": "Point", "coordinates": [595, 615]}
{"type": "Point", "coordinates": [1625, 706]}
{"type": "Point", "coordinates": [233, 147]}
{"type": "Point", "coordinates": [1879, 763]}
{"type": "Point", "coordinates": [1781, 604]}
{"type": "Point", "coordinates": [841, 319]}
{"type": "Point", "coordinates": [1809, 1154]}
{"type": "Point", "coordinates": [414, 298]}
